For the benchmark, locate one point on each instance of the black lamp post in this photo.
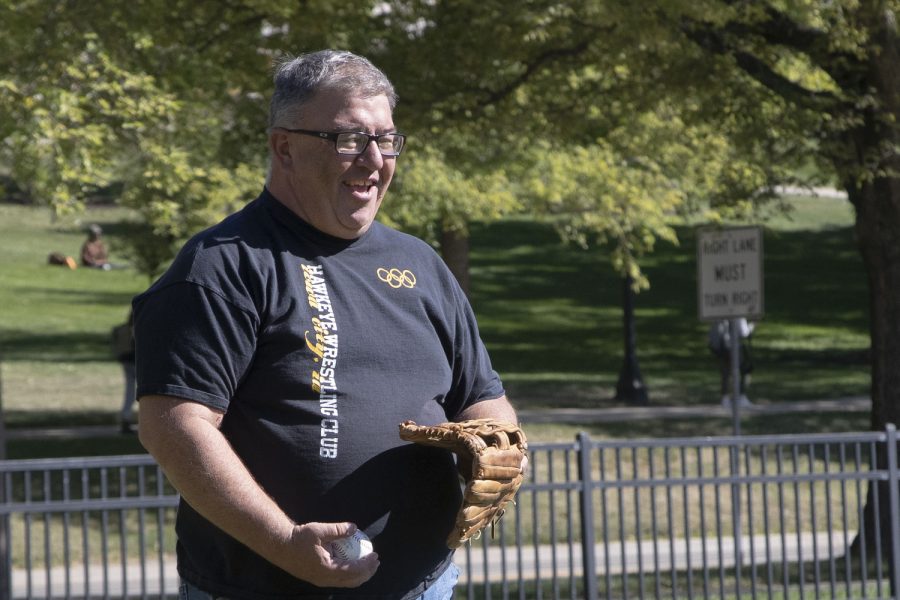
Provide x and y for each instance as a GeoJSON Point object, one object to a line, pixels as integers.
{"type": "Point", "coordinates": [630, 387]}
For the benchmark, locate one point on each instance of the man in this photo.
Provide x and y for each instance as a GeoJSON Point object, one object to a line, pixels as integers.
{"type": "Point", "coordinates": [719, 342]}
{"type": "Point", "coordinates": [123, 348]}
{"type": "Point", "coordinates": [278, 355]}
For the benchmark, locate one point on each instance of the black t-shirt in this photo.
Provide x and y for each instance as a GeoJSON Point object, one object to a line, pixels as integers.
{"type": "Point", "coordinates": [316, 348]}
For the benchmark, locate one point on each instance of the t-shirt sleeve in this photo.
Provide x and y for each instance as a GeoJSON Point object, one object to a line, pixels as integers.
{"type": "Point", "coordinates": [192, 343]}
{"type": "Point", "coordinates": [474, 378]}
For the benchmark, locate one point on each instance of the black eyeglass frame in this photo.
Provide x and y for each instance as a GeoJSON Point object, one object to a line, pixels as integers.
{"type": "Point", "coordinates": [333, 136]}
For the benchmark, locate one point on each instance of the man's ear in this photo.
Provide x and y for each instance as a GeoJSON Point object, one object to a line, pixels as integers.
{"type": "Point", "coordinates": [280, 148]}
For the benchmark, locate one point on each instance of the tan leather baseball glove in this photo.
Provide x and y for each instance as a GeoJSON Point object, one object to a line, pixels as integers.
{"type": "Point", "coordinates": [490, 455]}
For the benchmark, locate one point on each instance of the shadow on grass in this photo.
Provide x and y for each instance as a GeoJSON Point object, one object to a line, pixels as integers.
{"type": "Point", "coordinates": [16, 419]}
{"type": "Point", "coordinates": [794, 423]}
{"type": "Point", "coordinates": [551, 317]}
{"type": "Point", "coordinates": [75, 296]}
{"type": "Point", "coordinates": [70, 347]}
{"type": "Point", "coordinates": [54, 448]}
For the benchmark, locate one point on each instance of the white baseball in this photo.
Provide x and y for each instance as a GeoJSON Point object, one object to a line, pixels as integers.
{"type": "Point", "coordinates": [352, 547]}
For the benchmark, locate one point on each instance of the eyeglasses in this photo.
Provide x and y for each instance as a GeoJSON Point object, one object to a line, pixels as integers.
{"type": "Point", "coordinates": [356, 142]}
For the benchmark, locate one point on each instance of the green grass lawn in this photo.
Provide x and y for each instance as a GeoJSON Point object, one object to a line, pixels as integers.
{"type": "Point", "coordinates": [55, 359]}
{"type": "Point", "coordinates": [549, 313]}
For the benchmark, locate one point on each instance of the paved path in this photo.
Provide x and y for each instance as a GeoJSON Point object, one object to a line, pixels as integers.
{"type": "Point", "coordinates": [822, 192]}
{"type": "Point", "coordinates": [648, 557]}
{"type": "Point", "coordinates": [477, 563]}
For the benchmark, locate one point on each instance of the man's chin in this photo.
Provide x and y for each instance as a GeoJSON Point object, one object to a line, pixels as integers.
{"type": "Point", "coordinates": [359, 221]}
{"type": "Point", "coordinates": [353, 228]}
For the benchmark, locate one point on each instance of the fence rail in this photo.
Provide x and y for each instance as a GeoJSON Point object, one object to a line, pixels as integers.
{"type": "Point", "coordinates": [788, 516]}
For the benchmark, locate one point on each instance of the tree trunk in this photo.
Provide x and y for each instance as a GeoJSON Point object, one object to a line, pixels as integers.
{"type": "Point", "coordinates": [878, 235]}
{"type": "Point", "coordinates": [876, 201]}
{"type": "Point", "coordinates": [455, 250]}
{"type": "Point", "coordinates": [877, 207]}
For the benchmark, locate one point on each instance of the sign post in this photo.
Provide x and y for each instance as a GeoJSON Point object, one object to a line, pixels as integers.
{"type": "Point", "coordinates": [730, 286]}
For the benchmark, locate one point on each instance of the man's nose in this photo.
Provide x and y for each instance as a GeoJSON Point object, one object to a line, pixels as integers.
{"type": "Point", "coordinates": [371, 155]}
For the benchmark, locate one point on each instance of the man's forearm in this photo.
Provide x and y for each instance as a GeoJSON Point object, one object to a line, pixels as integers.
{"type": "Point", "coordinates": [184, 438]}
{"type": "Point", "coordinates": [201, 464]}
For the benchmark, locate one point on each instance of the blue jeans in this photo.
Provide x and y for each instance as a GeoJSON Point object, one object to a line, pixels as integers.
{"type": "Point", "coordinates": [441, 589]}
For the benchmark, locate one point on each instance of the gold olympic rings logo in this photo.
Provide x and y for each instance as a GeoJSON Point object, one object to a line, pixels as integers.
{"type": "Point", "coordinates": [397, 278]}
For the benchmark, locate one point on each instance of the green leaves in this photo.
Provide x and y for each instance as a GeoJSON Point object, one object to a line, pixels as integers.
{"type": "Point", "coordinates": [165, 100]}
{"type": "Point", "coordinates": [602, 113]}
{"type": "Point", "coordinates": [74, 124]}
{"type": "Point", "coordinates": [596, 195]}
{"type": "Point", "coordinates": [429, 194]}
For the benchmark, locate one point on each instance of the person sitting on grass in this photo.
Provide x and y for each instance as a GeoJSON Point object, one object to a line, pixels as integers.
{"type": "Point", "coordinates": [93, 251]}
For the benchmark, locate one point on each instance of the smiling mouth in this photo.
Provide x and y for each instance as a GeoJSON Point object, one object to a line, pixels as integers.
{"type": "Point", "coordinates": [359, 184]}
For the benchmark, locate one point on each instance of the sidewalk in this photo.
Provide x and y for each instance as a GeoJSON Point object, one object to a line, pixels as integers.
{"type": "Point", "coordinates": [547, 415]}
{"type": "Point", "coordinates": [476, 563]}
{"type": "Point", "coordinates": [822, 192]}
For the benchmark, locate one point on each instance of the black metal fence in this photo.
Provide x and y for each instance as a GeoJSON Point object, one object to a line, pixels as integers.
{"type": "Point", "coordinates": [796, 516]}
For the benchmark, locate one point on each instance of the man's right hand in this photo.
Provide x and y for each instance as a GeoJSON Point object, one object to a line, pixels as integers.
{"type": "Point", "coordinates": [309, 557]}
{"type": "Point", "coordinates": [182, 434]}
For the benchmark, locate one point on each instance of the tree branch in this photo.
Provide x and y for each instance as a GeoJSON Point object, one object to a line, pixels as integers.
{"type": "Point", "coordinates": [542, 59]}
{"type": "Point", "coordinates": [536, 63]}
{"type": "Point", "coordinates": [717, 42]}
{"type": "Point", "coordinates": [779, 29]}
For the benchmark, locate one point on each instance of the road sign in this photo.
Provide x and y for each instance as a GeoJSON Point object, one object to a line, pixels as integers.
{"type": "Point", "coordinates": [730, 273]}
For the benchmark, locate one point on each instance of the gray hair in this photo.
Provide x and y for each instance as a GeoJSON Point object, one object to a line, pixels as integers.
{"type": "Point", "coordinates": [298, 79]}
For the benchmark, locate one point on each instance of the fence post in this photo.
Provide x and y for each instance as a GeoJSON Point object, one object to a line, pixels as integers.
{"type": "Point", "coordinates": [894, 498]}
{"type": "Point", "coordinates": [736, 516]}
{"type": "Point", "coordinates": [5, 559]}
{"type": "Point", "coordinates": [589, 563]}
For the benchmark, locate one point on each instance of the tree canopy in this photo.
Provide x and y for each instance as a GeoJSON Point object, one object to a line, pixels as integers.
{"type": "Point", "coordinates": [769, 89]}
{"type": "Point", "coordinates": [612, 117]}
{"type": "Point", "coordinates": [165, 100]}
